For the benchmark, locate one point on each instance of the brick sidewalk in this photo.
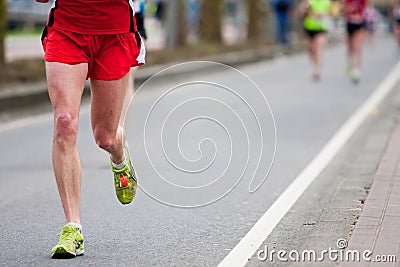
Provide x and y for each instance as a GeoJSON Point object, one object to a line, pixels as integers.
{"type": "Point", "coordinates": [378, 228]}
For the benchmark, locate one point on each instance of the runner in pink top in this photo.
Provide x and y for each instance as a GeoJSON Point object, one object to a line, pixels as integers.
{"type": "Point", "coordinates": [353, 11]}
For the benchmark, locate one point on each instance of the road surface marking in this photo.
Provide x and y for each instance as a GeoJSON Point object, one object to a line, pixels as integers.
{"type": "Point", "coordinates": [248, 245]}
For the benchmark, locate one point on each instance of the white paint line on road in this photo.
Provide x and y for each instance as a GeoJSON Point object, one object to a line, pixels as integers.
{"type": "Point", "coordinates": [248, 245]}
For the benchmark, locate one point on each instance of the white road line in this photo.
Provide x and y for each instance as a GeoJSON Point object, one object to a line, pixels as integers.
{"type": "Point", "coordinates": [248, 245]}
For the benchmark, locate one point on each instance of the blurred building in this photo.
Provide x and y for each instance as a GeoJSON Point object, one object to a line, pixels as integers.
{"type": "Point", "coordinates": [27, 14]}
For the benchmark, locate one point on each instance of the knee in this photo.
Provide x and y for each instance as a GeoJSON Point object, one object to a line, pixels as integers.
{"type": "Point", "coordinates": [65, 128]}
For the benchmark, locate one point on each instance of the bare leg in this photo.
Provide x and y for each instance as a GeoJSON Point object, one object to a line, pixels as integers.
{"type": "Point", "coordinates": [357, 41]}
{"type": "Point", "coordinates": [107, 103]}
{"type": "Point", "coordinates": [349, 40]}
{"type": "Point", "coordinates": [309, 46]}
{"type": "Point", "coordinates": [129, 94]}
{"type": "Point", "coordinates": [314, 57]}
{"type": "Point", "coordinates": [66, 83]}
{"type": "Point", "coordinates": [318, 44]}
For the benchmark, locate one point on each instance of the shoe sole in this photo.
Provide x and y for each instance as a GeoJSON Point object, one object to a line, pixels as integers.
{"type": "Point", "coordinates": [61, 253]}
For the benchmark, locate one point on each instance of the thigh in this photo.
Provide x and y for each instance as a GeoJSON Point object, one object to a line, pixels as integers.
{"type": "Point", "coordinates": [129, 94]}
{"type": "Point", "coordinates": [358, 37]}
{"type": "Point", "coordinates": [65, 85]}
{"type": "Point", "coordinates": [107, 103]}
{"type": "Point", "coordinates": [321, 38]}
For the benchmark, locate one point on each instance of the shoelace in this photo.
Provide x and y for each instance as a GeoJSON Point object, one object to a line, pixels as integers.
{"type": "Point", "coordinates": [67, 235]}
{"type": "Point", "coordinates": [118, 173]}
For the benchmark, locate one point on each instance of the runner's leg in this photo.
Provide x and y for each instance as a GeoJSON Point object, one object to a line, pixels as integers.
{"type": "Point", "coordinates": [349, 46]}
{"type": "Point", "coordinates": [309, 46]}
{"type": "Point", "coordinates": [357, 41]}
{"type": "Point", "coordinates": [129, 94]}
{"type": "Point", "coordinates": [319, 43]}
{"type": "Point", "coordinates": [107, 103]}
{"type": "Point", "coordinates": [65, 85]}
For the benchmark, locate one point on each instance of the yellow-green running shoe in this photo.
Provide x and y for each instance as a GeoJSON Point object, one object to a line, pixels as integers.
{"type": "Point", "coordinates": [70, 243]}
{"type": "Point", "coordinates": [125, 181]}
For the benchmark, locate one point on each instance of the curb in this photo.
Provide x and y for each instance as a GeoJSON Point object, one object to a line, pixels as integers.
{"type": "Point", "coordinates": [376, 229]}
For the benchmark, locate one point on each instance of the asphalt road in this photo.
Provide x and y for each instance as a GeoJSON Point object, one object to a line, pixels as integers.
{"type": "Point", "coordinates": [216, 127]}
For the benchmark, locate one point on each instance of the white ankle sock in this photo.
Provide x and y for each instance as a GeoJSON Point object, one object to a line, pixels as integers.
{"type": "Point", "coordinates": [121, 165]}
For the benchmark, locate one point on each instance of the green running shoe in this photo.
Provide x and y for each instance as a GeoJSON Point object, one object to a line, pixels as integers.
{"type": "Point", "coordinates": [70, 243]}
{"type": "Point", "coordinates": [125, 181]}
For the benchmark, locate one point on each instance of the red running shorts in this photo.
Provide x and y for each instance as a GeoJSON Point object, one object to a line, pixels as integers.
{"type": "Point", "coordinates": [109, 57]}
